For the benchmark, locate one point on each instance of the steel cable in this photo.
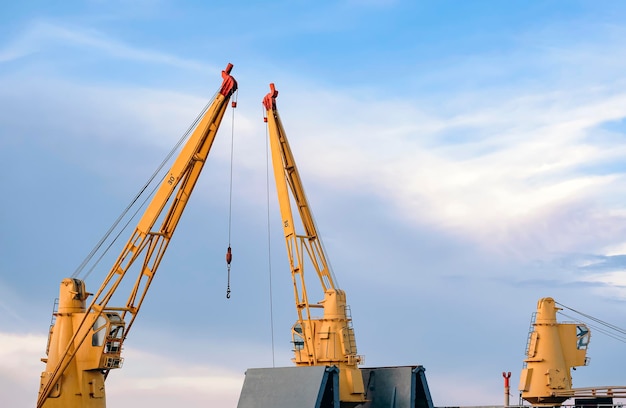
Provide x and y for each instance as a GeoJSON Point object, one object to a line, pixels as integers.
{"type": "Point", "coordinates": [115, 224]}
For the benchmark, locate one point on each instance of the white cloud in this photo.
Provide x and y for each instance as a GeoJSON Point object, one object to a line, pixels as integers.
{"type": "Point", "coordinates": [489, 172]}
{"type": "Point", "coordinates": [495, 162]}
{"type": "Point", "coordinates": [157, 380]}
{"type": "Point", "coordinates": [485, 170]}
{"type": "Point", "coordinates": [153, 380]}
{"type": "Point", "coordinates": [43, 36]}
{"type": "Point", "coordinates": [73, 111]}
{"type": "Point", "coordinates": [20, 354]}
{"type": "Point", "coordinates": [504, 168]}
{"type": "Point", "coordinates": [614, 284]}
{"type": "Point", "coordinates": [20, 368]}
{"type": "Point", "coordinates": [615, 249]}
{"type": "Point", "coordinates": [12, 53]}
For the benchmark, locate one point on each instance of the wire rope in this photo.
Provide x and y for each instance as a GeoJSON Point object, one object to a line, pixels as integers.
{"type": "Point", "coordinates": [229, 255]}
{"type": "Point", "coordinates": [598, 329]}
{"type": "Point", "coordinates": [269, 240]}
{"type": "Point", "coordinates": [119, 233]}
{"type": "Point", "coordinates": [595, 319]}
{"type": "Point", "coordinates": [133, 202]}
{"type": "Point", "coordinates": [601, 326]}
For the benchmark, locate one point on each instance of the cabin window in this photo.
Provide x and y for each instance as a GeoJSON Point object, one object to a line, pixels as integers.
{"type": "Point", "coordinates": [582, 337]}
{"type": "Point", "coordinates": [298, 339]}
{"type": "Point", "coordinates": [97, 339]}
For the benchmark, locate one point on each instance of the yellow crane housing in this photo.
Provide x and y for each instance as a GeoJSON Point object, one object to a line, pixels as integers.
{"type": "Point", "coordinates": [553, 349]}
{"type": "Point", "coordinates": [86, 339]}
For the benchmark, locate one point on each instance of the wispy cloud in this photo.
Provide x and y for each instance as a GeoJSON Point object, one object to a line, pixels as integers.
{"type": "Point", "coordinates": [493, 168]}
{"type": "Point", "coordinates": [160, 380]}
{"type": "Point", "coordinates": [20, 366]}
{"type": "Point", "coordinates": [613, 284]}
{"type": "Point", "coordinates": [47, 36]}
{"type": "Point", "coordinates": [155, 380]}
{"type": "Point", "coordinates": [504, 151]}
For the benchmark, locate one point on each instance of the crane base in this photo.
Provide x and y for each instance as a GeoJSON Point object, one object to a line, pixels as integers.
{"type": "Point", "coordinates": [396, 387]}
{"type": "Point", "coordinates": [288, 387]}
{"type": "Point", "coordinates": [318, 387]}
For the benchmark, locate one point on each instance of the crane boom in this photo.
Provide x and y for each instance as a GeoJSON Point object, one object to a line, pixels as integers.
{"type": "Point", "coordinates": [75, 368]}
{"type": "Point", "coordinates": [328, 340]}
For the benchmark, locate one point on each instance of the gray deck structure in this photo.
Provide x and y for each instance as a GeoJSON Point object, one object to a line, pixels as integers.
{"type": "Point", "coordinates": [290, 387]}
{"type": "Point", "coordinates": [318, 387]}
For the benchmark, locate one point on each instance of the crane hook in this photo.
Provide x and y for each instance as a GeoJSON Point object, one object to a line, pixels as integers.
{"type": "Point", "coordinates": [229, 258]}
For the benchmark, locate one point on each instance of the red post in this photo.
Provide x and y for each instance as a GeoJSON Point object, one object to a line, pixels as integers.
{"type": "Point", "coordinates": [507, 388]}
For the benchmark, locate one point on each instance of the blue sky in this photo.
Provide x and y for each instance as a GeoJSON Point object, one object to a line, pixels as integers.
{"type": "Point", "coordinates": [462, 159]}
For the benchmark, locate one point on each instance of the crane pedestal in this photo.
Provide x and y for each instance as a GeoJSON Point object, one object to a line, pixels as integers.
{"type": "Point", "coordinates": [288, 387]}
{"type": "Point", "coordinates": [396, 387]}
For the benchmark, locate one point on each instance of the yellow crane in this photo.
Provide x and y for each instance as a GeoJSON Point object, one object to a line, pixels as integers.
{"type": "Point", "coordinates": [326, 340]}
{"type": "Point", "coordinates": [553, 349]}
{"type": "Point", "coordinates": [326, 371]}
{"type": "Point", "coordinates": [85, 342]}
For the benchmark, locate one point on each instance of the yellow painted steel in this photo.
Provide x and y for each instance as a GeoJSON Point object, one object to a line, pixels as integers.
{"type": "Point", "coordinates": [553, 349]}
{"type": "Point", "coordinates": [327, 340]}
{"type": "Point", "coordinates": [85, 342]}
